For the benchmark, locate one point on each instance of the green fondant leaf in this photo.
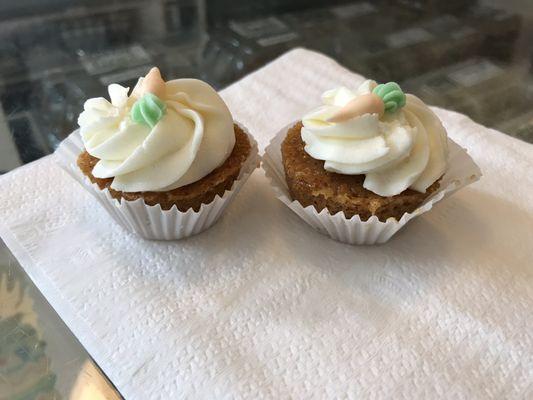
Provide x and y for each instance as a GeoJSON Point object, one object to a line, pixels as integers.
{"type": "Point", "coordinates": [148, 110]}
{"type": "Point", "coordinates": [392, 96]}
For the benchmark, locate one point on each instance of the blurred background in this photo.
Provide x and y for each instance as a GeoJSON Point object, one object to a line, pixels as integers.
{"type": "Point", "coordinates": [466, 55]}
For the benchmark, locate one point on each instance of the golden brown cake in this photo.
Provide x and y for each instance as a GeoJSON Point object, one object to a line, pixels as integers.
{"type": "Point", "coordinates": [185, 197]}
{"type": "Point", "coordinates": [310, 184]}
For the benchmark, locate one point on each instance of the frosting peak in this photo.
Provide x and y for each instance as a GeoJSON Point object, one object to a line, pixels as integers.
{"type": "Point", "coordinates": [392, 138]}
{"type": "Point", "coordinates": [163, 136]}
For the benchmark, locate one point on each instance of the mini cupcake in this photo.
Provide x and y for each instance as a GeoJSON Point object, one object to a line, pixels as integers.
{"type": "Point", "coordinates": [165, 159]}
{"type": "Point", "coordinates": [374, 151]}
{"type": "Point", "coordinates": [370, 156]}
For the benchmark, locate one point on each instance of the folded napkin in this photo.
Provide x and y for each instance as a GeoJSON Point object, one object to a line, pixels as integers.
{"type": "Point", "coordinates": [262, 307]}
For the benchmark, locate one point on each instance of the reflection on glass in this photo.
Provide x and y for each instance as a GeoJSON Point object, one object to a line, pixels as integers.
{"type": "Point", "coordinates": [25, 370]}
{"type": "Point", "coordinates": [24, 367]}
{"type": "Point", "coordinates": [90, 385]}
{"type": "Point", "coordinates": [39, 357]}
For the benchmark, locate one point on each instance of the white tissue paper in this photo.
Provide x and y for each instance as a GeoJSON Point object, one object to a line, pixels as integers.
{"type": "Point", "coordinates": [462, 171]}
{"type": "Point", "coordinates": [151, 222]}
{"type": "Point", "coordinates": [260, 306]}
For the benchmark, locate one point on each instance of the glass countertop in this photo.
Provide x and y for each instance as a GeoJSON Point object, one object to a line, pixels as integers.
{"type": "Point", "coordinates": [470, 56]}
{"type": "Point", "coordinates": [39, 357]}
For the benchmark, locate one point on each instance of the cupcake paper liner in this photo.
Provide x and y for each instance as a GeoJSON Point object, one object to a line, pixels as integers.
{"type": "Point", "coordinates": [461, 172]}
{"type": "Point", "coordinates": [152, 222]}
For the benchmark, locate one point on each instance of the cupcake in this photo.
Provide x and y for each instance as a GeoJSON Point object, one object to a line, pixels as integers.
{"type": "Point", "coordinates": [374, 151]}
{"type": "Point", "coordinates": [371, 158]}
{"type": "Point", "coordinates": [165, 158]}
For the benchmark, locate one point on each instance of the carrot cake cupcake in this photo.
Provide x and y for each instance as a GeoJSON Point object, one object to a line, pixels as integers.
{"type": "Point", "coordinates": [372, 151]}
{"type": "Point", "coordinates": [171, 144]}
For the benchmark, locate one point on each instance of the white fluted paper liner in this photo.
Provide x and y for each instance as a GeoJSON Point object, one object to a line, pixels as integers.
{"type": "Point", "coordinates": [461, 172]}
{"type": "Point", "coordinates": [152, 222]}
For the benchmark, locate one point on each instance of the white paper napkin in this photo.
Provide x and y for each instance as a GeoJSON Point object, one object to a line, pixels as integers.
{"type": "Point", "coordinates": [261, 306]}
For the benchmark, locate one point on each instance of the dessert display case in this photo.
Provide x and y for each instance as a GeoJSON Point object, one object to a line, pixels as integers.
{"type": "Point", "coordinates": [473, 57]}
{"type": "Point", "coordinates": [52, 62]}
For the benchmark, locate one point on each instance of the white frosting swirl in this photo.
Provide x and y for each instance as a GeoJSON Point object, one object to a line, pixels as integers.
{"type": "Point", "coordinates": [194, 137]}
{"type": "Point", "coordinates": [405, 149]}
